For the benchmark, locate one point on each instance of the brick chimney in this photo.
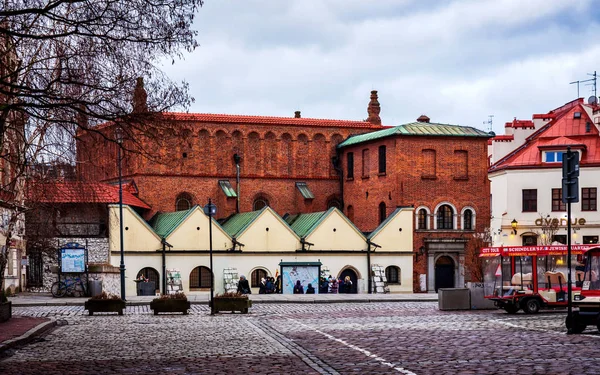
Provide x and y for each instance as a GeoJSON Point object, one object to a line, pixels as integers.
{"type": "Point", "coordinates": [423, 118]}
{"type": "Point", "coordinates": [140, 97]}
{"type": "Point", "coordinates": [373, 109]}
{"type": "Point", "coordinates": [297, 114]}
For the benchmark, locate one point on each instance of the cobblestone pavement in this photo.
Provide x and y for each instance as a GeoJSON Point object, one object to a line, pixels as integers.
{"type": "Point", "coordinates": [349, 338]}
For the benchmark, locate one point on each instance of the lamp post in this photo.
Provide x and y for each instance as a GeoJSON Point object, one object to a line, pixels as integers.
{"type": "Point", "coordinates": [119, 137]}
{"type": "Point", "coordinates": [210, 209]}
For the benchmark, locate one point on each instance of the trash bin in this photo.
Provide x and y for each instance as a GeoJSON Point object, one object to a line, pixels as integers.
{"type": "Point", "coordinates": [95, 287]}
{"type": "Point", "coordinates": [454, 299]}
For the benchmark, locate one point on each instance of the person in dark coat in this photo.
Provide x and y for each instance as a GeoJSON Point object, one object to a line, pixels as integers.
{"type": "Point", "coordinates": [298, 288]}
{"type": "Point", "coordinates": [324, 287]}
{"type": "Point", "coordinates": [262, 288]}
{"type": "Point", "coordinates": [310, 289]}
{"type": "Point", "coordinates": [269, 287]}
{"type": "Point", "coordinates": [243, 286]}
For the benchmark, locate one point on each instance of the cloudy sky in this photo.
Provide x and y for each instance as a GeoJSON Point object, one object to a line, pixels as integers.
{"type": "Point", "coordinates": [455, 61]}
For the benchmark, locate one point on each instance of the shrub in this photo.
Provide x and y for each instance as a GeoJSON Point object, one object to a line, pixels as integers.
{"type": "Point", "coordinates": [232, 295]}
{"type": "Point", "coordinates": [179, 295]}
{"type": "Point", "coordinates": [105, 295]}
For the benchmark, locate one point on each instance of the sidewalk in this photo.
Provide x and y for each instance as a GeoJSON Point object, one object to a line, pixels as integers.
{"type": "Point", "coordinates": [21, 329]}
{"type": "Point", "coordinates": [46, 299]}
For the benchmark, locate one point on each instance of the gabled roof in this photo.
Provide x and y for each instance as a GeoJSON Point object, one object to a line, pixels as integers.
{"type": "Point", "coordinates": [235, 224]}
{"type": "Point", "coordinates": [267, 120]}
{"type": "Point", "coordinates": [304, 224]}
{"type": "Point", "coordinates": [417, 129]}
{"type": "Point", "coordinates": [386, 222]}
{"type": "Point", "coordinates": [81, 192]}
{"type": "Point", "coordinates": [165, 223]}
{"type": "Point", "coordinates": [564, 130]}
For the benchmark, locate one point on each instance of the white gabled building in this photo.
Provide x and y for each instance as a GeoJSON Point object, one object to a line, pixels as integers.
{"type": "Point", "coordinates": [526, 177]}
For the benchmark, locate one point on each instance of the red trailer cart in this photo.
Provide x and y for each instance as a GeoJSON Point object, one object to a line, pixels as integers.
{"type": "Point", "coordinates": [588, 299]}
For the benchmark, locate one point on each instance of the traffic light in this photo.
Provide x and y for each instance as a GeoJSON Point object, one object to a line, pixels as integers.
{"type": "Point", "coordinates": [570, 180]}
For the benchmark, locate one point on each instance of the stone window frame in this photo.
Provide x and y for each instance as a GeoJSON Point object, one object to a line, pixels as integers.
{"type": "Point", "coordinates": [454, 216]}
{"type": "Point", "coordinates": [463, 213]}
{"type": "Point", "coordinates": [427, 216]}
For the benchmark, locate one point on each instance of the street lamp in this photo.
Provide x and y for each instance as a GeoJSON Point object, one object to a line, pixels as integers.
{"type": "Point", "coordinates": [119, 137]}
{"type": "Point", "coordinates": [513, 225]}
{"type": "Point", "coordinates": [210, 209]}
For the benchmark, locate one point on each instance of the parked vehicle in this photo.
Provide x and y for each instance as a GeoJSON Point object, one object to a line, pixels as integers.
{"type": "Point", "coordinates": [588, 300]}
{"type": "Point", "coordinates": [531, 277]}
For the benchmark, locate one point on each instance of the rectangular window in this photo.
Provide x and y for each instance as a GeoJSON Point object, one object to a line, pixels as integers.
{"type": "Point", "coordinates": [365, 163]}
{"type": "Point", "coordinates": [428, 161]}
{"type": "Point", "coordinates": [304, 190]}
{"type": "Point", "coordinates": [588, 199]}
{"type": "Point", "coordinates": [560, 238]}
{"type": "Point", "coordinates": [461, 171]}
{"type": "Point", "coordinates": [553, 156]}
{"type": "Point", "coordinates": [227, 188]}
{"type": "Point", "coordinates": [557, 203]}
{"type": "Point", "coordinates": [590, 240]}
{"type": "Point", "coordinates": [382, 160]}
{"type": "Point", "coordinates": [529, 200]}
{"type": "Point", "coordinates": [350, 165]}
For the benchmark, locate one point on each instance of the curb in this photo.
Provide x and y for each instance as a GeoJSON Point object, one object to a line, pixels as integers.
{"type": "Point", "coordinates": [144, 303]}
{"type": "Point", "coordinates": [28, 336]}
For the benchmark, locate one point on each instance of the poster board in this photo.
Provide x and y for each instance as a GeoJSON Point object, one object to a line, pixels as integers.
{"type": "Point", "coordinates": [72, 260]}
{"type": "Point", "coordinates": [174, 283]}
{"type": "Point", "coordinates": [304, 272]}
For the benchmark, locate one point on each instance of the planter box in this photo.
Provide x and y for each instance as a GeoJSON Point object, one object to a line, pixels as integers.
{"type": "Point", "coordinates": [170, 306]}
{"type": "Point", "coordinates": [5, 311]}
{"type": "Point", "coordinates": [454, 299]}
{"type": "Point", "coordinates": [232, 304]}
{"type": "Point", "coordinates": [105, 305]}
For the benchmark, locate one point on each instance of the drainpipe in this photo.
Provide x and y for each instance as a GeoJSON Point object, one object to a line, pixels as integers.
{"type": "Point", "coordinates": [164, 265]}
{"type": "Point", "coordinates": [237, 159]}
{"type": "Point", "coordinates": [338, 168]}
{"type": "Point", "coordinates": [369, 277]}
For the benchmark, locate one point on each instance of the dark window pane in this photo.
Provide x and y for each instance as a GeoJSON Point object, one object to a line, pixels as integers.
{"type": "Point", "coordinates": [382, 212]}
{"type": "Point", "coordinates": [256, 276]}
{"type": "Point", "coordinates": [529, 200]}
{"type": "Point", "coordinates": [350, 166]}
{"type": "Point", "coordinates": [557, 203]}
{"type": "Point", "coordinates": [445, 217]}
{"type": "Point", "coordinates": [468, 220]}
{"type": "Point", "coordinates": [422, 219]}
{"type": "Point", "coordinates": [588, 199]}
{"type": "Point", "coordinates": [392, 274]}
{"type": "Point", "coordinates": [382, 159]}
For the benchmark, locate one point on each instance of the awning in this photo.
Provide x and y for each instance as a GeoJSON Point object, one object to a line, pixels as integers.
{"type": "Point", "coordinates": [513, 251]}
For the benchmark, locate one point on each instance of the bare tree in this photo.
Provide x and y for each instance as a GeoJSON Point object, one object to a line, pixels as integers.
{"type": "Point", "coordinates": [473, 262]}
{"type": "Point", "coordinates": [67, 66]}
{"type": "Point", "coordinates": [546, 234]}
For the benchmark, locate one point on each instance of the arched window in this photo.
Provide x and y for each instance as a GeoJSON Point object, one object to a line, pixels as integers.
{"type": "Point", "coordinates": [149, 273]}
{"type": "Point", "coordinates": [260, 203]}
{"type": "Point", "coordinates": [422, 219]}
{"type": "Point", "coordinates": [468, 220]}
{"type": "Point", "coordinates": [183, 202]}
{"type": "Point", "coordinates": [445, 217]}
{"type": "Point", "coordinates": [257, 274]}
{"type": "Point", "coordinates": [382, 212]}
{"type": "Point", "coordinates": [334, 202]}
{"type": "Point", "coordinates": [392, 274]}
{"type": "Point", "coordinates": [200, 277]}
{"type": "Point", "coordinates": [351, 213]}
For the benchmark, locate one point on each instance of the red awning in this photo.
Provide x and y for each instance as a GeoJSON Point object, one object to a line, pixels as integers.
{"type": "Point", "coordinates": [513, 251]}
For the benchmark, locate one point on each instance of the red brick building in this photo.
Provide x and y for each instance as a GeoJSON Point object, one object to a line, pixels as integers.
{"type": "Point", "coordinates": [298, 165]}
{"type": "Point", "coordinates": [440, 170]}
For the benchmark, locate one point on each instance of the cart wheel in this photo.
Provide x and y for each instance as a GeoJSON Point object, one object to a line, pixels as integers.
{"type": "Point", "coordinates": [531, 306]}
{"type": "Point", "coordinates": [511, 309]}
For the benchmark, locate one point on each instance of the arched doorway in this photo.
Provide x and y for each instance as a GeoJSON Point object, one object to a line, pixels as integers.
{"type": "Point", "coordinates": [349, 272]}
{"type": "Point", "coordinates": [147, 288]}
{"type": "Point", "coordinates": [444, 273]}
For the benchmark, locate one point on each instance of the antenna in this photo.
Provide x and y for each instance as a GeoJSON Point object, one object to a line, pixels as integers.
{"type": "Point", "coordinates": [593, 80]}
{"type": "Point", "coordinates": [489, 122]}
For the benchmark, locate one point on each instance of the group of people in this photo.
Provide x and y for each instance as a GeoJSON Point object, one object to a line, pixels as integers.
{"type": "Point", "coordinates": [326, 285]}
{"type": "Point", "coordinates": [270, 285]}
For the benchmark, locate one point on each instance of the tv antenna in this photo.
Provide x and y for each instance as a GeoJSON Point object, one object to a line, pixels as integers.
{"type": "Point", "coordinates": [593, 80]}
{"type": "Point", "coordinates": [489, 122]}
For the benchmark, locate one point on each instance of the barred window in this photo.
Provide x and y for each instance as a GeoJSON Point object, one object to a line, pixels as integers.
{"type": "Point", "coordinates": [200, 277]}
{"type": "Point", "coordinates": [445, 217]}
{"type": "Point", "coordinates": [392, 274]}
{"type": "Point", "coordinates": [256, 276]}
{"type": "Point", "coordinates": [557, 203]}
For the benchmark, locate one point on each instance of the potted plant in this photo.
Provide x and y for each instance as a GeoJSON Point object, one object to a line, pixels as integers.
{"type": "Point", "coordinates": [177, 302]}
{"type": "Point", "coordinates": [232, 301]}
{"type": "Point", "coordinates": [5, 307]}
{"type": "Point", "coordinates": [105, 302]}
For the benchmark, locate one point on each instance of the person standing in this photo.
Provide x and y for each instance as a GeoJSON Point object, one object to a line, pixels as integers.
{"type": "Point", "coordinates": [243, 286]}
{"type": "Point", "coordinates": [298, 288]}
{"type": "Point", "coordinates": [347, 285]}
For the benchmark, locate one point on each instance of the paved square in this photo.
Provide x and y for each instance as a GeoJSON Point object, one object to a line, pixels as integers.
{"type": "Point", "coordinates": [350, 338]}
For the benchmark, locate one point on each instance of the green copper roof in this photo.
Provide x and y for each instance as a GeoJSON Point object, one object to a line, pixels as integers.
{"type": "Point", "coordinates": [235, 224]}
{"type": "Point", "coordinates": [417, 128]}
{"type": "Point", "coordinates": [165, 223]}
{"type": "Point", "coordinates": [303, 224]}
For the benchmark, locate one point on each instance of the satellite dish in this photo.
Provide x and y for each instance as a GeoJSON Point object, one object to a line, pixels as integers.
{"type": "Point", "coordinates": [592, 100]}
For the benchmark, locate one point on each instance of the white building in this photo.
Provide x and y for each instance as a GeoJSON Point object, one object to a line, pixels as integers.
{"type": "Point", "coordinates": [526, 177]}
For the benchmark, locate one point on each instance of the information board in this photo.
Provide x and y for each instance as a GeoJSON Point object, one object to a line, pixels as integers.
{"type": "Point", "coordinates": [306, 275]}
{"type": "Point", "coordinates": [72, 260]}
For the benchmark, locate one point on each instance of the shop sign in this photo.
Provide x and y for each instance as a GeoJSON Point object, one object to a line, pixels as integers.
{"type": "Point", "coordinates": [558, 222]}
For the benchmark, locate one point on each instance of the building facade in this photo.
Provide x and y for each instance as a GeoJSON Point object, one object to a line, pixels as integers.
{"type": "Point", "coordinates": [526, 178]}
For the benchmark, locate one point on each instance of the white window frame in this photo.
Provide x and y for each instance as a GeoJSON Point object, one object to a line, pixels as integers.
{"type": "Point", "coordinates": [454, 215]}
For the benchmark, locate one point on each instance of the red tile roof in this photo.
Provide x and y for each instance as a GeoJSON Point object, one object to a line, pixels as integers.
{"type": "Point", "coordinates": [81, 192]}
{"type": "Point", "coordinates": [503, 138]}
{"type": "Point", "coordinates": [557, 134]}
{"type": "Point", "coordinates": [267, 120]}
{"type": "Point", "coordinates": [544, 116]}
{"type": "Point", "coordinates": [519, 124]}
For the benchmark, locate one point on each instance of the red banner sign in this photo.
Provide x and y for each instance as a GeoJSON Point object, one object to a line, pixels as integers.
{"type": "Point", "coordinates": [514, 251]}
